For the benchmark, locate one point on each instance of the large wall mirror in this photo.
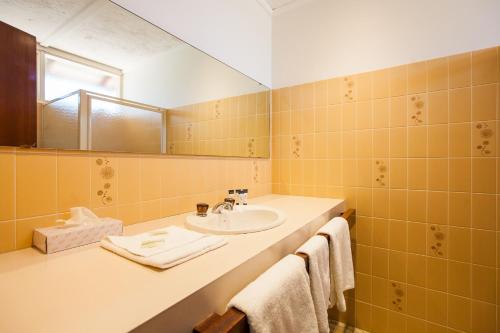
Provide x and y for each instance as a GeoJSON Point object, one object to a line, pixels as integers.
{"type": "Point", "coordinates": [108, 80]}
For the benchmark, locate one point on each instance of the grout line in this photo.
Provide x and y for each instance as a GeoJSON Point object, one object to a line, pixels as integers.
{"type": "Point", "coordinates": [406, 97]}
{"type": "Point", "coordinates": [448, 188]}
{"type": "Point", "coordinates": [471, 185]}
{"type": "Point", "coordinates": [497, 191]}
{"type": "Point", "coordinates": [57, 153]}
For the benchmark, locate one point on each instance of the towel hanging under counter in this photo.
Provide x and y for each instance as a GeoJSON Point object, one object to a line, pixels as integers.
{"type": "Point", "coordinates": [235, 321]}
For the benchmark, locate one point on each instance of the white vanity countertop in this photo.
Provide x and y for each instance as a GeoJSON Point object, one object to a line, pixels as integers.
{"type": "Point", "coordinates": [89, 289]}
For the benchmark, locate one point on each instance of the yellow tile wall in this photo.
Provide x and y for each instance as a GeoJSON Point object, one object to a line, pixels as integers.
{"type": "Point", "coordinates": [415, 149]}
{"type": "Point", "coordinates": [234, 126]}
{"type": "Point", "coordinates": [37, 187]}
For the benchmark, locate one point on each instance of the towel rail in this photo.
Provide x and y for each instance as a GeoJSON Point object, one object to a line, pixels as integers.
{"type": "Point", "coordinates": [235, 321]}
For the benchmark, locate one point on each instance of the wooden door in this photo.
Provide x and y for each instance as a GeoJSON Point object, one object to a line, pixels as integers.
{"type": "Point", "coordinates": [17, 87]}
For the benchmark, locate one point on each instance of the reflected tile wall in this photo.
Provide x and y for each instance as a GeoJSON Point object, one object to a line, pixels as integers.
{"type": "Point", "coordinates": [235, 126]}
{"type": "Point", "coordinates": [415, 149]}
{"type": "Point", "coordinates": [37, 186]}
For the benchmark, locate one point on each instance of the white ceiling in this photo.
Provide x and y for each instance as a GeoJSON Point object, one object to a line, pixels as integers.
{"type": "Point", "coordinates": [276, 4]}
{"type": "Point", "coordinates": [95, 29]}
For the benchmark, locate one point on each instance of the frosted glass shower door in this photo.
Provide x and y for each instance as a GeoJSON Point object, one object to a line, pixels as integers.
{"type": "Point", "coordinates": [60, 123]}
{"type": "Point", "coordinates": [116, 125]}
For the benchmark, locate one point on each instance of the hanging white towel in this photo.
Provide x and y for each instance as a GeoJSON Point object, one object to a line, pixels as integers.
{"type": "Point", "coordinates": [318, 253]}
{"type": "Point", "coordinates": [341, 267]}
{"type": "Point", "coordinates": [279, 300]}
{"type": "Point", "coordinates": [163, 248]}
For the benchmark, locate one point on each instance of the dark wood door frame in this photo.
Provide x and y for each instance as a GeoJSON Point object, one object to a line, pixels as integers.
{"type": "Point", "coordinates": [17, 87]}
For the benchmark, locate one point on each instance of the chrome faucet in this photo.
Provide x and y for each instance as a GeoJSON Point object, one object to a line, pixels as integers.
{"type": "Point", "coordinates": [217, 209]}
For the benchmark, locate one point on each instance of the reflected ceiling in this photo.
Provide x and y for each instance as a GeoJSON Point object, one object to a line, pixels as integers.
{"type": "Point", "coordinates": [94, 29]}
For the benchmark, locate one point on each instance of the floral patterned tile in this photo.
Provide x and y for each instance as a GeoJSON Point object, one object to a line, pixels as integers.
{"type": "Point", "coordinates": [103, 181]}
{"type": "Point", "coordinates": [348, 89]}
{"type": "Point", "coordinates": [484, 139]}
{"type": "Point", "coordinates": [417, 110]}
{"type": "Point", "coordinates": [380, 173]}
{"type": "Point", "coordinates": [437, 240]}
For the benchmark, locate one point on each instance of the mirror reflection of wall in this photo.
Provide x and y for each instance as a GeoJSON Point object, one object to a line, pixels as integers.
{"type": "Point", "coordinates": [94, 47]}
{"type": "Point", "coordinates": [234, 126]}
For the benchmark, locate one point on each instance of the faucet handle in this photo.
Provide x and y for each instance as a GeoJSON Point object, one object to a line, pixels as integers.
{"type": "Point", "coordinates": [230, 200]}
{"type": "Point", "coordinates": [217, 209]}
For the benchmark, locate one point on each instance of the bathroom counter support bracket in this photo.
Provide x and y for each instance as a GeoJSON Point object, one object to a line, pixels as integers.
{"type": "Point", "coordinates": [232, 321]}
{"type": "Point", "coordinates": [235, 321]}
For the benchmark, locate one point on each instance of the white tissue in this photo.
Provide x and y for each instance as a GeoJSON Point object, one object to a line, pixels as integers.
{"type": "Point", "coordinates": [81, 215]}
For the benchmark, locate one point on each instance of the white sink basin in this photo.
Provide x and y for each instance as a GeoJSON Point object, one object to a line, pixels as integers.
{"type": "Point", "coordinates": [241, 220]}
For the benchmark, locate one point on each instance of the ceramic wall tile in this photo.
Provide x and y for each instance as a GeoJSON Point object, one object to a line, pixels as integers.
{"type": "Point", "coordinates": [151, 210]}
{"type": "Point", "coordinates": [417, 174]}
{"type": "Point", "coordinates": [483, 247]}
{"type": "Point", "coordinates": [484, 102]}
{"type": "Point", "coordinates": [398, 116]}
{"type": "Point", "coordinates": [459, 278]}
{"type": "Point", "coordinates": [437, 176]}
{"type": "Point", "coordinates": [417, 240]}
{"type": "Point", "coordinates": [397, 266]}
{"type": "Point", "coordinates": [438, 74]}
{"type": "Point", "coordinates": [416, 301]}
{"type": "Point", "coordinates": [460, 105]}
{"type": "Point", "coordinates": [380, 262]}
{"type": "Point", "coordinates": [438, 141]}
{"type": "Point", "coordinates": [151, 173]}
{"type": "Point", "coordinates": [7, 236]}
{"type": "Point", "coordinates": [24, 228]}
{"type": "Point", "coordinates": [36, 184]}
{"type": "Point", "coordinates": [437, 272]}
{"type": "Point", "coordinates": [426, 135]}
{"type": "Point", "coordinates": [459, 313]}
{"type": "Point", "coordinates": [483, 211]}
{"type": "Point", "coordinates": [417, 141]}
{"type": "Point", "coordinates": [43, 185]}
{"type": "Point", "coordinates": [73, 181]}
{"type": "Point", "coordinates": [459, 246]}
{"type": "Point", "coordinates": [437, 307]}
{"type": "Point", "coordinates": [484, 281]}
{"type": "Point", "coordinates": [438, 107]}
{"type": "Point", "coordinates": [417, 78]}
{"type": "Point", "coordinates": [417, 206]}
{"type": "Point", "coordinates": [484, 175]}
{"type": "Point", "coordinates": [415, 325]}
{"type": "Point", "coordinates": [483, 318]}
{"type": "Point", "coordinates": [398, 204]}
{"type": "Point", "coordinates": [460, 174]}
{"type": "Point", "coordinates": [460, 70]}
{"type": "Point", "coordinates": [7, 186]}
{"type": "Point", "coordinates": [484, 66]}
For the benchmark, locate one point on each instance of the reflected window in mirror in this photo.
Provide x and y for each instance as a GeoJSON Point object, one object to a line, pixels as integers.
{"type": "Point", "coordinates": [61, 76]}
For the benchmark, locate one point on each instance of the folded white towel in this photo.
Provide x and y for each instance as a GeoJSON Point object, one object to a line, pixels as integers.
{"type": "Point", "coordinates": [163, 248]}
{"type": "Point", "coordinates": [157, 241]}
{"type": "Point", "coordinates": [279, 300]}
{"type": "Point", "coordinates": [318, 252]}
{"type": "Point", "coordinates": [341, 267]}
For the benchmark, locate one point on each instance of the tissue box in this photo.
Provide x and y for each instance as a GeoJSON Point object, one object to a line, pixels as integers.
{"type": "Point", "coordinates": [54, 239]}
